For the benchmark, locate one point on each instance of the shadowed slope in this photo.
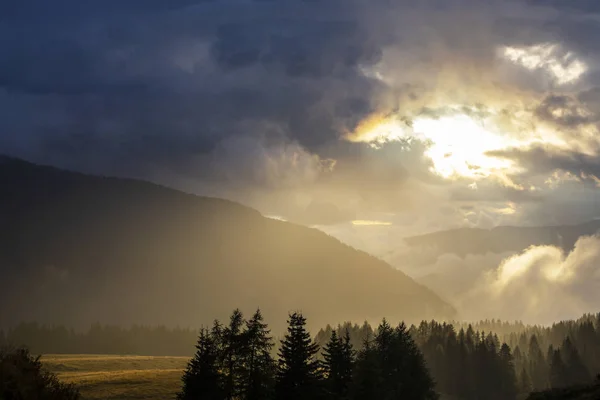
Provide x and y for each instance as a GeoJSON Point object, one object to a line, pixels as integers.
{"type": "Point", "coordinates": [76, 249]}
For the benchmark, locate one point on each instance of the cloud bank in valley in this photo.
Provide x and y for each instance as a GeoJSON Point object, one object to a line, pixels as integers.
{"type": "Point", "coordinates": [542, 284]}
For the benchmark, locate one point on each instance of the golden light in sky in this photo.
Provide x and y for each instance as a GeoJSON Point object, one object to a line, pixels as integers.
{"type": "Point", "coordinates": [457, 144]}
{"type": "Point", "coordinates": [459, 138]}
{"type": "Point", "coordinates": [361, 222]}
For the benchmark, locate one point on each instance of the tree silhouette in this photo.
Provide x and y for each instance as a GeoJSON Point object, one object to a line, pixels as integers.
{"type": "Point", "coordinates": [392, 367]}
{"type": "Point", "coordinates": [538, 370]}
{"type": "Point", "coordinates": [411, 368]}
{"type": "Point", "coordinates": [507, 376]}
{"type": "Point", "coordinates": [23, 378]}
{"type": "Point", "coordinates": [298, 375]}
{"type": "Point", "coordinates": [367, 376]}
{"type": "Point", "coordinates": [259, 366]}
{"type": "Point", "coordinates": [339, 358]}
{"type": "Point", "coordinates": [202, 378]}
{"type": "Point", "coordinates": [524, 381]}
{"type": "Point", "coordinates": [232, 355]}
{"type": "Point", "coordinates": [558, 370]}
{"type": "Point", "coordinates": [576, 371]}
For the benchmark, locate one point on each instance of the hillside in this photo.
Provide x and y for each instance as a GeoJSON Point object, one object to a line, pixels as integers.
{"type": "Point", "coordinates": [465, 241]}
{"type": "Point", "coordinates": [75, 249]}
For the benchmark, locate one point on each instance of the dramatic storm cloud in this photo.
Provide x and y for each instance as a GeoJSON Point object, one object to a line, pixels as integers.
{"type": "Point", "coordinates": [371, 119]}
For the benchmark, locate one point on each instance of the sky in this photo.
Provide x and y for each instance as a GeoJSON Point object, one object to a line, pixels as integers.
{"type": "Point", "coordinates": [369, 119]}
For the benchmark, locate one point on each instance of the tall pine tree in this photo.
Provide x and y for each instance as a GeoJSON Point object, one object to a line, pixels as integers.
{"type": "Point", "coordinates": [577, 372]}
{"type": "Point", "coordinates": [202, 378]}
{"type": "Point", "coordinates": [538, 368]}
{"type": "Point", "coordinates": [507, 376]}
{"type": "Point", "coordinates": [558, 371]}
{"type": "Point", "coordinates": [414, 380]}
{"type": "Point", "coordinates": [339, 358]}
{"type": "Point", "coordinates": [257, 379]}
{"type": "Point", "coordinates": [367, 377]}
{"type": "Point", "coordinates": [298, 375]}
{"type": "Point", "coordinates": [232, 353]}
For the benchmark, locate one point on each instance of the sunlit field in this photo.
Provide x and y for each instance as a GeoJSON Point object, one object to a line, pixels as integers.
{"type": "Point", "coordinates": [119, 377]}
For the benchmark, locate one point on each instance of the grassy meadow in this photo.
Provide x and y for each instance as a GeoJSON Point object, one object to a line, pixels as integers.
{"type": "Point", "coordinates": [119, 377]}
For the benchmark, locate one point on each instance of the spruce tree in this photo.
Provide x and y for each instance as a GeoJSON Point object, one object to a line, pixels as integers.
{"type": "Point", "coordinates": [507, 378]}
{"type": "Point", "coordinates": [524, 382]}
{"type": "Point", "coordinates": [367, 376]}
{"type": "Point", "coordinates": [413, 380]}
{"type": "Point", "coordinates": [298, 374]}
{"type": "Point", "coordinates": [338, 356]}
{"type": "Point", "coordinates": [202, 378]}
{"type": "Point", "coordinates": [558, 371]}
{"type": "Point", "coordinates": [399, 365]}
{"type": "Point", "coordinates": [538, 368]}
{"type": "Point", "coordinates": [259, 367]}
{"type": "Point", "coordinates": [577, 372]}
{"type": "Point", "coordinates": [348, 355]}
{"type": "Point", "coordinates": [232, 352]}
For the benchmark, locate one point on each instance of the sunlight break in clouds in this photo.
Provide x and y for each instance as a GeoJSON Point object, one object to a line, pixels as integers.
{"type": "Point", "coordinates": [457, 143]}
{"type": "Point", "coordinates": [361, 222]}
{"type": "Point", "coordinates": [564, 68]}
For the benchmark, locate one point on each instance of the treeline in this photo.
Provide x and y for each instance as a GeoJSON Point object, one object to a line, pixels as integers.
{"type": "Point", "coordinates": [471, 363]}
{"type": "Point", "coordinates": [465, 364]}
{"type": "Point", "coordinates": [102, 339]}
{"type": "Point", "coordinates": [466, 361]}
{"type": "Point", "coordinates": [234, 361]}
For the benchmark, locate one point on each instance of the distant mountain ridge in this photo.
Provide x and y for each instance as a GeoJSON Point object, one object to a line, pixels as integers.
{"type": "Point", "coordinates": [464, 241]}
{"type": "Point", "coordinates": [76, 249]}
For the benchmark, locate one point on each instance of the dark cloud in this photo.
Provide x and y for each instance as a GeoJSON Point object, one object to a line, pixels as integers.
{"type": "Point", "coordinates": [258, 94]}
{"type": "Point", "coordinates": [546, 159]}
{"type": "Point", "coordinates": [175, 79]}
{"type": "Point", "coordinates": [564, 111]}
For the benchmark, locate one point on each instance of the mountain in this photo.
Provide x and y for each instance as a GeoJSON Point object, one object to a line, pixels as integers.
{"type": "Point", "coordinates": [76, 249]}
{"type": "Point", "coordinates": [465, 241]}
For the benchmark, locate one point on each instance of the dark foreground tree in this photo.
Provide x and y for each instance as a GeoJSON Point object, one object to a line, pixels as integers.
{"type": "Point", "coordinates": [259, 367]}
{"type": "Point", "coordinates": [367, 377]}
{"type": "Point", "coordinates": [202, 378]}
{"type": "Point", "coordinates": [392, 367]}
{"type": "Point", "coordinates": [298, 375]}
{"type": "Point", "coordinates": [23, 378]}
{"type": "Point", "coordinates": [233, 349]}
{"type": "Point", "coordinates": [338, 362]}
{"type": "Point", "coordinates": [506, 374]}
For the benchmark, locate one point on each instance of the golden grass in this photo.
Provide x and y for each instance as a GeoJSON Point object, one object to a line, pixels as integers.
{"type": "Point", "coordinates": [119, 377]}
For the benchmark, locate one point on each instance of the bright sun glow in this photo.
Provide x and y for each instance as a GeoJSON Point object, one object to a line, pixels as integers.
{"type": "Point", "coordinates": [459, 145]}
